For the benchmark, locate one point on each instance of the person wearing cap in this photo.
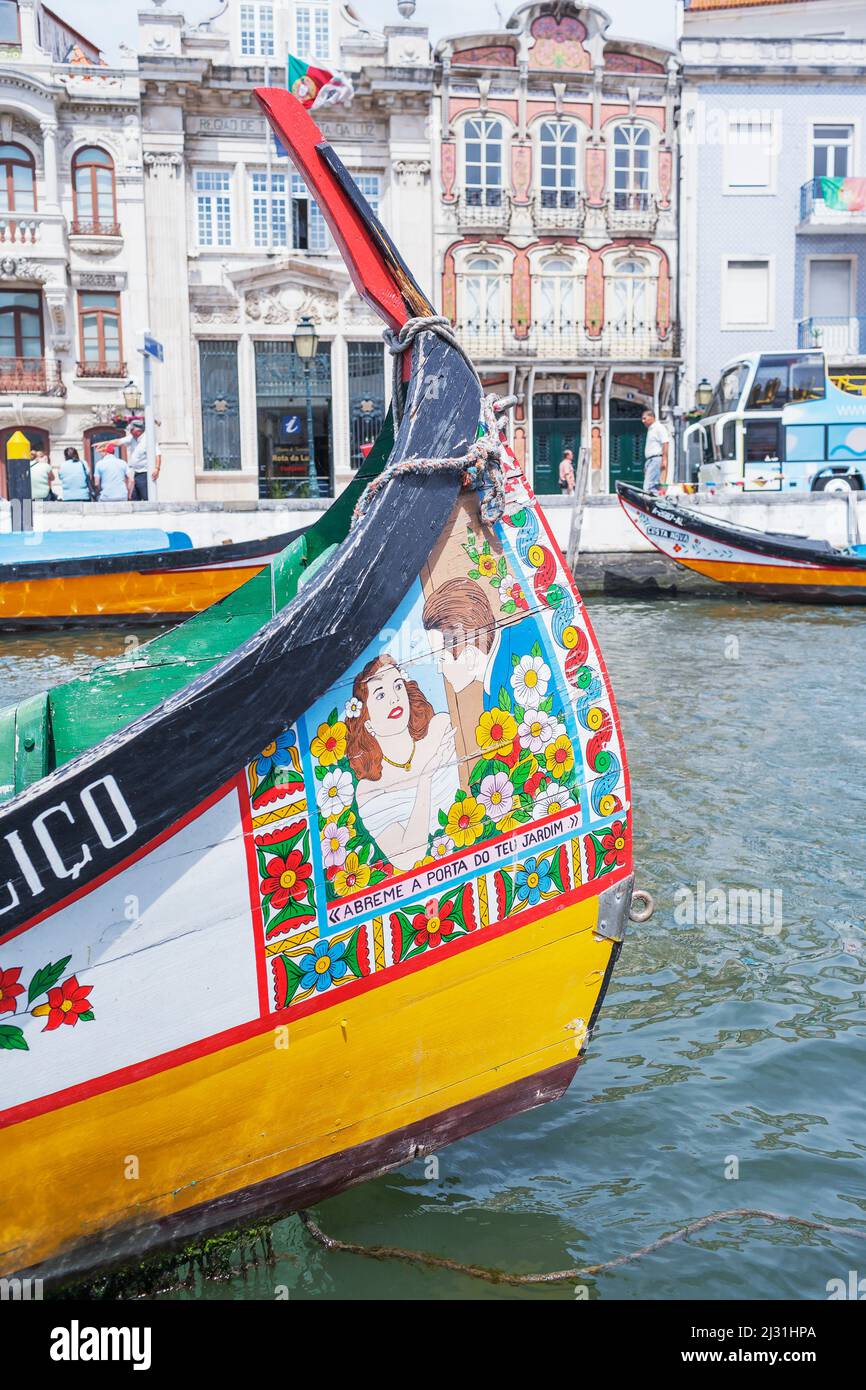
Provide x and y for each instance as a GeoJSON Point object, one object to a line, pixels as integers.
{"type": "Point", "coordinates": [112, 475]}
{"type": "Point", "coordinates": [135, 441]}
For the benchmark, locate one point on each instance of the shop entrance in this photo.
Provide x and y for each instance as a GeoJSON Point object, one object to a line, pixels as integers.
{"type": "Point", "coordinates": [626, 435]}
{"type": "Point", "coordinates": [281, 418]}
{"type": "Point", "coordinates": [556, 426]}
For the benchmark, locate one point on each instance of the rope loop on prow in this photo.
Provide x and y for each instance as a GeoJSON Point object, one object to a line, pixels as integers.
{"type": "Point", "coordinates": [481, 465]}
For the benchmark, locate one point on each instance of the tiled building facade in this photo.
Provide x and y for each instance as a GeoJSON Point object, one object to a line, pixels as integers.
{"type": "Point", "coordinates": [554, 145]}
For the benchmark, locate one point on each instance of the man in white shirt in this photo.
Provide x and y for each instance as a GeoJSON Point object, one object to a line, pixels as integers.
{"type": "Point", "coordinates": [656, 452]}
{"type": "Point", "coordinates": [135, 441]}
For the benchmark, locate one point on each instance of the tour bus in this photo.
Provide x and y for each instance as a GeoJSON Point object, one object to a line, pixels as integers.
{"type": "Point", "coordinates": [776, 421]}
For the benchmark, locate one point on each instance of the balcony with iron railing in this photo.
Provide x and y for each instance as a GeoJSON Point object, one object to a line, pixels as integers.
{"type": "Point", "coordinates": [483, 209]}
{"type": "Point", "coordinates": [838, 336]}
{"type": "Point", "coordinates": [559, 210]}
{"type": "Point", "coordinates": [569, 343]}
{"type": "Point", "coordinates": [94, 228]}
{"type": "Point", "coordinates": [635, 211]}
{"type": "Point", "coordinates": [30, 376]}
{"type": "Point", "coordinates": [105, 369]}
{"type": "Point", "coordinates": [830, 205]}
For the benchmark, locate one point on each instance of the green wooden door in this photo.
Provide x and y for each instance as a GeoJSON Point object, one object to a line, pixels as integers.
{"type": "Point", "coordinates": [556, 423]}
{"type": "Point", "coordinates": [627, 436]}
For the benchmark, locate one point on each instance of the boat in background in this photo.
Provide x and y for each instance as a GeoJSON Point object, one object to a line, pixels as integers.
{"type": "Point", "coordinates": [16, 546]}
{"type": "Point", "coordinates": [764, 564]}
{"type": "Point", "coordinates": [329, 876]}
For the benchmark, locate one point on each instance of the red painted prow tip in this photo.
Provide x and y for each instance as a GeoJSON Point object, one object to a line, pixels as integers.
{"type": "Point", "coordinates": [370, 274]}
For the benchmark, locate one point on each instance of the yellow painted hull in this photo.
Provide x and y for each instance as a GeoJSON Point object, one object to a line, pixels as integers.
{"type": "Point", "coordinates": [305, 1090]}
{"type": "Point", "coordinates": [147, 593]}
{"type": "Point", "coordinates": [765, 576]}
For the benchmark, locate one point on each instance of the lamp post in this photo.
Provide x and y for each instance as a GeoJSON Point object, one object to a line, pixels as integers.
{"type": "Point", "coordinates": [703, 394]}
{"type": "Point", "coordinates": [132, 397]}
{"type": "Point", "coordinates": [306, 346]}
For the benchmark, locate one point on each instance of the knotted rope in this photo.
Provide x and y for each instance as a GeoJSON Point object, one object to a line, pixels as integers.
{"type": "Point", "coordinates": [481, 465]}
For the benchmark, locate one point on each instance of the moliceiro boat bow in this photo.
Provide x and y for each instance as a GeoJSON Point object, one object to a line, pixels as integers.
{"type": "Point", "coordinates": [351, 882]}
{"type": "Point", "coordinates": [763, 564]}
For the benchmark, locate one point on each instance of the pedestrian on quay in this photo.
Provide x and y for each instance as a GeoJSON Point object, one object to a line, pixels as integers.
{"type": "Point", "coordinates": [656, 452]}
{"type": "Point", "coordinates": [135, 440]}
{"type": "Point", "coordinates": [566, 472]}
{"type": "Point", "coordinates": [76, 478]}
{"type": "Point", "coordinates": [113, 476]}
{"type": "Point", "coordinates": [41, 477]}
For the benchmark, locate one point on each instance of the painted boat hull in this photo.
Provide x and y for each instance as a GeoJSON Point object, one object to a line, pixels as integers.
{"type": "Point", "coordinates": [760, 564]}
{"type": "Point", "coordinates": [354, 891]}
{"type": "Point", "coordinates": [152, 587]}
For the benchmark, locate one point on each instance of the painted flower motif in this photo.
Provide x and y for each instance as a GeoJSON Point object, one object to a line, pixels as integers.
{"type": "Point", "coordinates": [510, 589]}
{"type": "Point", "coordinates": [352, 878]}
{"type": "Point", "coordinates": [532, 880]}
{"type": "Point", "coordinates": [323, 965]}
{"type": "Point", "coordinates": [529, 681]}
{"type": "Point", "coordinates": [336, 792]}
{"type": "Point", "coordinates": [559, 756]}
{"type": "Point", "coordinates": [465, 820]}
{"type": "Point", "coordinates": [286, 879]}
{"type": "Point", "coordinates": [10, 989]}
{"type": "Point", "coordinates": [329, 745]}
{"type": "Point", "coordinates": [434, 925]}
{"type": "Point", "coordinates": [487, 565]}
{"type": "Point", "coordinates": [552, 799]}
{"type": "Point", "coordinates": [66, 1004]}
{"type": "Point", "coordinates": [613, 844]}
{"type": "Point", "coordinates": [496, 732]}
{"type": "Point", "coordinates": [276, 754]}
{"type": "Point", "coordinates": [496, 795]}
{"type": "Point", "coordinates": [334, 842]}
{"type": "Point", "coordinates": [353, 708]}
{"type": "Point", "coordinates": [536, 730]}
{"type": "Point", "coordinates": [442, 845]}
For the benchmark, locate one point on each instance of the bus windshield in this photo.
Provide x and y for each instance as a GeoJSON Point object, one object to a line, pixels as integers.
{"type": "Point", "coordinates": [781, 381]}
{"type": "Point", "coordinates": [727, 394]}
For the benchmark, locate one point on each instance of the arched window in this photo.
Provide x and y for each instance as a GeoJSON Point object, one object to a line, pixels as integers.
{"type": "Point", "coordinates": [483, 144]}
{"type": "Point", "coordinates": [17, 179]}
{"type": "Point", "coordinates": [482, 296]}
{"type": "Point", "coordinates": [556, 300]}
{"type": "Point", "coordinates": [93, 194]}
{"type": "Point", "coordinates": [631, 168]}
{"type": "Point", "coordinates": [557, 141]}
{"type": "Point", "coordinates": [20, 324]}
{"type": "Point", "coordinates": [630, 298]}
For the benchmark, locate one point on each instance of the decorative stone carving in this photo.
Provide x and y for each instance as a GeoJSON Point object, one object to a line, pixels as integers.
{"type": "Point", "coordinates": [216, 311]}
{"type": "Point", "coordinates": [20, 268]}
{"type": "Point", "coordinates": [288, 305]}
{"type": "Point", "coordinates": [412, 173]}
{"type": "Point", "coordinates": [160, 161]}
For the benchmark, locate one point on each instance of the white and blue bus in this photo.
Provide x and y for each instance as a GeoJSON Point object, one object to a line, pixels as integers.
{"type": "Point", "coordinates": [776, 421]}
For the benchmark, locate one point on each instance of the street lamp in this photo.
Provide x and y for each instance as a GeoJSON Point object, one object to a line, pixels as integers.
{"type": "Point", "coordinates": [132, 397]}
{"type": "Point", "coordinates": [703, 394]}
{"type": "Point", "coordinates": [306, 346]}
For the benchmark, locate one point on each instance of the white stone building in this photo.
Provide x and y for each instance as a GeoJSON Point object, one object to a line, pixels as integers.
{"type": "Point", "coordinates": [73, 293]}
{"type": "Point", "coordinates": [237, 253]}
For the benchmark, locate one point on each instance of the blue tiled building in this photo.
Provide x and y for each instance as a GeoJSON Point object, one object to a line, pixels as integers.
{"type": "Point", "coordinates": [773, 182]}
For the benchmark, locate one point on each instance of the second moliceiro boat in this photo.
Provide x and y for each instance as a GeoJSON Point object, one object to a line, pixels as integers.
{"type": "Point", "coordinates": [355, 889]}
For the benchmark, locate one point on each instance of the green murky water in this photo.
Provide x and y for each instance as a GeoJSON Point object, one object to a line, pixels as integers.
{"type": "Point", "coordinates": [723, 1044]}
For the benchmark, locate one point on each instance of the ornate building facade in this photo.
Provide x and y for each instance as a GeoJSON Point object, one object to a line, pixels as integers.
{"type": "Point", "coordinates": [73, 290]}
{"type": "Point", "coordinates": [556, 228]}
{"type": "Point", "coordinates": [238, 254]}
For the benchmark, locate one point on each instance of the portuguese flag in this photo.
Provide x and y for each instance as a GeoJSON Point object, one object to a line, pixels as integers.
{"type": "Point", "coordinates": [844, 195]}
{"type": "Point", "coordinates": [314, 86]}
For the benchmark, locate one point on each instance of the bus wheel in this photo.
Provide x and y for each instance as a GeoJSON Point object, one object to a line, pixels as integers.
{"type": "Point", "coordinates": [839, 482]}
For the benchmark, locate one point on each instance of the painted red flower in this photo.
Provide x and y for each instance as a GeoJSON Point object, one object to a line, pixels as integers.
{"type": "Point", "coordinates": [434, 925]}
{"type": "Point", "coordinates": [66, 1004]}
{"type": "Point", "coordinates": [613, 844]}
{"type": "Point", "coordinates": [286, 879]}
{"type": "Point", "coordinates": [10, 990]}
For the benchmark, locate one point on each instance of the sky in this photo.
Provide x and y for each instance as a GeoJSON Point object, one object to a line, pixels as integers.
{"type": "Point", "coordinates": [112, 24]}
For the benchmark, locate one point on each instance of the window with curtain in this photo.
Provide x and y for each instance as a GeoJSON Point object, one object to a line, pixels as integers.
{"type": "Point", "coordinates": [557, 299]}
{"type": "Point", "coordinates": [269, 208]}
{"type": "Point", "coordinates": [17, 179]}
{"type": "Point", "coordinates": [99, 317]}
{"type": "Point", "coordinates": [746, 294]}
{"type": "Point", "coordinates": [631, 168]}
{"type": "Point", "coordinates": [629, 298]}
{"type": "Point", "coordinates": [750, 156]}
{"type": "Point", "coordinates": [213, 206]}
{"type": "Point", "coordinates": [557, 142]}
{"type": "Point", "coordinates": [483, 154]}
{"type": "Point", "coordinates": [482, 295]}
{"type": "Point", "coordinates": [20, 324]}
{"type": "Point", "coordinates": [93, 191]}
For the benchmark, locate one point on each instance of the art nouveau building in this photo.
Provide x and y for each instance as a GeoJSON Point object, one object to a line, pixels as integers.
{"type": "Point", "coordinates": [556, 228]}
{"type": "Point", "coordinates": [73, 294]}
{"type": "Point", "coordinates": [238, 253]}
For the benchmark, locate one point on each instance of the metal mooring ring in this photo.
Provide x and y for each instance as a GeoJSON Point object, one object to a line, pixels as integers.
{"type": "Point", "coordinates": [641, 914]}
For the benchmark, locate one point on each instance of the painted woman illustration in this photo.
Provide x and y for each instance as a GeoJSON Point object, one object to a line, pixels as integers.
{"type": "Point", "coordinates": [402, 753]}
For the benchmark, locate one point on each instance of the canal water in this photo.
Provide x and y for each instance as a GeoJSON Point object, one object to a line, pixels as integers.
{"type": "Point", "coordinates": [727, 1066]}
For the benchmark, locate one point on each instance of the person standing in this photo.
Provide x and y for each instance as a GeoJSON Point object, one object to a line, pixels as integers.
{"type": "Point", "coordinates": [135, 441]}
{"type": "Point", "coordinates": [656, 452]}
{"type": "Point", "coordinates": [566, 472]}
{"type": "Point", "coordinates": [76, 479]}
{"type": "Point", "coordinates": [113, 477]}
{"type": "Point", "coordinates": [41, 477]}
